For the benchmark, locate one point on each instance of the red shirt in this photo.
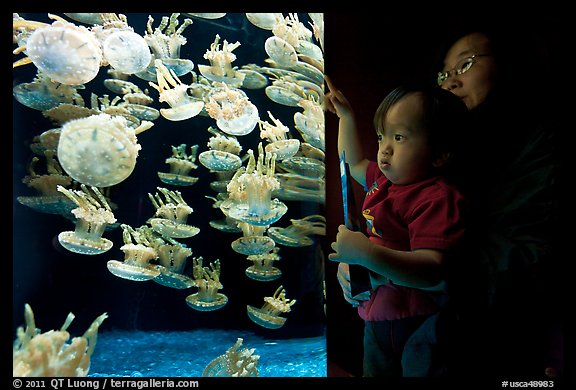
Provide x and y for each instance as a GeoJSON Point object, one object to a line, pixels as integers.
{"type": "Point", "coordinates": [422, 215]}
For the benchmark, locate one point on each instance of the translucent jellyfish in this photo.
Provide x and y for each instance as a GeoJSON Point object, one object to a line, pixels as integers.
{"type": "Point", "coordinates": [291, 30]}
{"type": "Point", "coordinates": [250, 192]}
{"type": "Point", "coordinates": [301, 188]}
{"type": "Point", "coordinates": [280, 51]}
{"type": "Point", "coordinates": [138, 252]}
{"type": "Point", "coordinates": [286, 91]}
{"type": "Point", "coordinates": [253, 79]}
{"type": "Point", "coordinates": [172, 215]}
{"type": "Point", "coordinates": [233, 111]}
{"type": "Point", "coordinates": [309, 49]}
{"type": "Point", "coordinates": [99, 150]}
{"type": "Point", "coordinates": [174, 92]}
{"type": "Point", "coordinates": [269, 315]}
{"type": "Point", "coordinates": [64, 52]}
{"type": "Point", "coordinates": [235, 362]}
{"type": "Point", "coordinates": [136, 101]}
{"type": "Point", "coordinates": [208, 15]}
{"type": "Point", "coordinates": [208, 282]}
{"type": "Point", "coordinates": [52, 354]}
{"type": "Point", "coordinates": [220, 68]}
{"type": "Point", "coordinates": [264, 20]}
{"type": "Point", "coordinates": [226, 224]}
{"type": "Point", "coordinates": [253, 241]}
{"type": "Point", "coordinates": [43, 94]}
{"type": "Point", "coordinates": [47, 199]}
{"type": "Point", "coordinates": [277, 136]}
{"type": "Point", "coordinates": [66, 112]}
{"type": "Point", "coordinates": [92, 216]}
{"type": "Point", "coordinates": [318, 27]}
{"type": "Point", "coordinates": [310, 123]}
{"type": "Point", "coordinates": [86, 18]}
{"type": "Point", "coordinates": [222, 155]}
{"type": "Point", "coordinates": [127, 52]}
{"type": "Point", "coordinates": [304, 166]}
{"type": "Point", "coordinates": [121, 87]}
{"type": "Point", "coordinates": [299, 232]}
{"type": "Point", "coordinates": [263, 269]}
{"type": "Point", "coordinates": [181, 164]}
{"type": "Point", "coordinates": [172, 257]}
{"type": "Point", "coordinates": [310, 72]}
{"type": "Point", "coordinates": [165, 43]}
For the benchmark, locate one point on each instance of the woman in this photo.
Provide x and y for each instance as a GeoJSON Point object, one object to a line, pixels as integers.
{"type": "Point", "coordinates": [504, 285]}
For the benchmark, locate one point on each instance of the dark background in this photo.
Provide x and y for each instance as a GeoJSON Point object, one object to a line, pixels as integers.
{"type": "Point", "coordinates": [55, 281]}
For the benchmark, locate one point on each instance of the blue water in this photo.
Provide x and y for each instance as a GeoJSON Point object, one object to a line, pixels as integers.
{"type": "Point", "coordinates": [187, 353]}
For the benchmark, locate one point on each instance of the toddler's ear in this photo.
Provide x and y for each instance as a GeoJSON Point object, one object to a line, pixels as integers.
{"type": "Point", "coordinates": [441, 159]}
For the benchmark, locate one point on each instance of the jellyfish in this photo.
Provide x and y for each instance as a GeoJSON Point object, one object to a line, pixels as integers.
{"type": "Point", "coordinates": [138, 252]}
{"type": "Point", "coordinates": [297, 187]}
{"type": "Point", "coordinates": [286, 91]}
{"type": "Point", "coordinates": [208, 15]}
{"type": "Point", "coordinates": [253, 78]}
{"type": "Point", "coordinates": [174, 92]}
{"type": "Point", "coordinates": [220, 68]}
{"type": "Point", "coordinates": [136, 102]}
{"type": "Point", "coordinates": [235, 362]}
{"type": "Point", "coordinates": [222, 155]}
{"type": "Point", "coordinates": [208, 282]}
{"type": "Point", "coordinates": [310, 123]}
{"type": "Point", "coordinates": [99, 150]}
{"type": "Point", "coordinates": [52, 353]}
{"type": "Point", "coordinates": [181, 164]}
{"type": "Point", "coordinates": [268, 316]}
{"type": "Point", "coordinates": [233, 111]}
{"type": "Point", "coordinates": [225, 224]}
{"type": "Point", "coordinates": [172, 214]}
{"type": "Point", "coordinates": [291, 29]}
{"type": "Point", "coordinates": [251, 189]}
{"type": "Point", "coordinates": [172, 257]}
{"type": "Point", "coordinates": [262, 268]}
{"type": "Point", "coordinates": [265, 21]}
{"type": "Point", "coordinates": [48, 199]}
{"type": "Point", "coordinates": [165, 42]}
{"type": "Point", "coordinates": [43, 94]}
{"type": "Point", "coordinates": [64, 52]}
{"type": "Point", "coordinates": [298, 233]}
{"type": "Point", "coordinates": [127, 52]}
{"type": "Point", "coordinates": [92, 216]}
{"type": "Point", "coordinates": [276, 134]}
{"type": "Point", "coordinates": [318, 27]}
{"type": "Point", "coordinates": [253, 240]}
{"type": "Point", "coordinates": [281, 52]}
{"type": "Point", "coordinates": [305, 166]}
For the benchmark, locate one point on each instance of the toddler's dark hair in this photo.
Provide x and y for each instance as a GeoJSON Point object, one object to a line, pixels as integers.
{"type": "Point", "coordinates": [446, 117]}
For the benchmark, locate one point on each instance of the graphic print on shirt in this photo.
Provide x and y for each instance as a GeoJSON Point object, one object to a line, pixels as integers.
{"type": "Point", "coordinates": [366, 212]}
{"type": "Point", "coordinates": [370, 222]}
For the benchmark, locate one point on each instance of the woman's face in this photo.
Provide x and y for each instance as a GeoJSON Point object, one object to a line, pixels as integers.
{"type": "Point", "coordinates": [473, 85]}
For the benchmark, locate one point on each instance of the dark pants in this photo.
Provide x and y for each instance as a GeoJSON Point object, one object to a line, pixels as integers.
{"type": "Point", "coordinates": [398, 348]}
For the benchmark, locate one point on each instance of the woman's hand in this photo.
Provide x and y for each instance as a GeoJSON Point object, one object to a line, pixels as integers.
{"type": "Point", "coordinates": [344, 280]}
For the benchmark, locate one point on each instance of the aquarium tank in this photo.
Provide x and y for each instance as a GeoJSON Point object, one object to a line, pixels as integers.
{"type": "Point", "coordinates": [168, 195]}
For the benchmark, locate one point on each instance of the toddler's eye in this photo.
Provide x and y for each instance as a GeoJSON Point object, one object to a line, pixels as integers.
{"type": "Point", "coordinates": [398, 137]}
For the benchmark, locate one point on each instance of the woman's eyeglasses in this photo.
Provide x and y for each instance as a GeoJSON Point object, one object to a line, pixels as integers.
{"type": "Point", "coordinates": [461, 67]}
